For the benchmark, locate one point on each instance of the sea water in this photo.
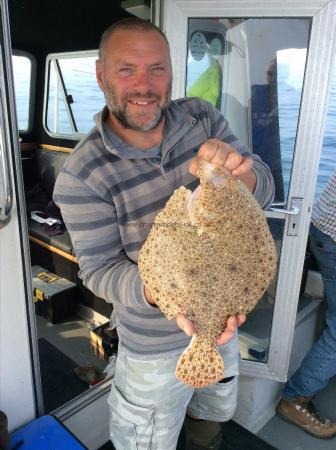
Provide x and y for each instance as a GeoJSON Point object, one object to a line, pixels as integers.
{"type": "Point", "coordinates": [88, 99]}
{"type": "Point", "coordinates": [289, 96]}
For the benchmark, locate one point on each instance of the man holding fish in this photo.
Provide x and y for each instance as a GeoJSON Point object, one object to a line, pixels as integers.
{"type": "Point", "coordinates": [114, 183]}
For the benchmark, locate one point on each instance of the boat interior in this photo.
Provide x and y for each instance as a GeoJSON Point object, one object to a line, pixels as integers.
{"type": "Point", "coordinates": [54, 47]}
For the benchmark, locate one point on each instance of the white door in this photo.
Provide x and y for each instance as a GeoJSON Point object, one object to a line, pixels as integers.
{"type": "Point", "coordinates": [266, 66]}
{"type": "Point", "coordinates": [18, 392]}
{"type": "Point", "coordinates": [86, 416]}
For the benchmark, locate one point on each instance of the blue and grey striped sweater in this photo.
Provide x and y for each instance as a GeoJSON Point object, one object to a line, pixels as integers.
{"type": "Point", "coordinates": [110, 192]}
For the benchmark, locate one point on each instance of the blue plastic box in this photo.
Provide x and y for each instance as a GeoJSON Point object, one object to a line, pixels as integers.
{"type": "Point", "coordinates": [44, 433]}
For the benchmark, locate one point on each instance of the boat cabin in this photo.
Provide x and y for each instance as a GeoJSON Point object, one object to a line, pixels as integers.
{"type": "Point", "coordinates": [267, 66]}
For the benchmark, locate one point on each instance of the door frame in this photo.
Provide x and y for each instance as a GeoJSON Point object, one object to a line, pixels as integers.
{"type": "Point", "coordinates": [320, 55]}
{"type": "Point", "coordinates": [20, 388]}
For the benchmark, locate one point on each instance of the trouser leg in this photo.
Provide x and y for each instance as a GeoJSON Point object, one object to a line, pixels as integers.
{"type": "Point", "coordinates": [319, 365]}
{"type": "Point", "coordinates": [217, 402]}
{"type": "Point", "coordinates": [147, 404]}
{"type": "Point", "coordinates": [202, 434]}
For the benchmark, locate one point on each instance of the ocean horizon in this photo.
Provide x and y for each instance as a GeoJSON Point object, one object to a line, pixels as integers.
{"type": "Point", "coordinates": [88, 100]}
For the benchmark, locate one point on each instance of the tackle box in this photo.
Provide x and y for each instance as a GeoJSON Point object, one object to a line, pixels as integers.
{"type": "Point", "coordinates": [55, 297]}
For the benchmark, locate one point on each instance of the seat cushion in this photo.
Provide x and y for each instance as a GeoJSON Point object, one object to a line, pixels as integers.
{"type": "Point", "coordinates": [48, 165]}
{"type": "Point", "coordinates": [60, 241]}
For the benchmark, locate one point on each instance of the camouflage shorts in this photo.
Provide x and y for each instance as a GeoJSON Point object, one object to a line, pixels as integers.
{"type": "Point", "coordinates": [148, 404]}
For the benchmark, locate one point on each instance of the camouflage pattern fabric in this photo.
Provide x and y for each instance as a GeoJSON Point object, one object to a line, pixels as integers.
{"type": "Point", "coordinates": [148, 403]}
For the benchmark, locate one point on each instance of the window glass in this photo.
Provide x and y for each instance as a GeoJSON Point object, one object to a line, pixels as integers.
{"type": "Point", "coordinates": [253, 73]}
{"type": "Point", "coordinates": [327, 161]}
{"type": "Point", "coordinates": [252, 70]}
{"type": "Point", "coordinates": [22, 70]}
{"type": "Point", "coordinates": [73, 94]}
{"type": "Point", "coordinates": [290, 64]}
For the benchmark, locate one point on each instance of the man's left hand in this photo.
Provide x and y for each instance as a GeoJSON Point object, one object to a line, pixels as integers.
{"type": "Point", "coordinates": [224, 155]}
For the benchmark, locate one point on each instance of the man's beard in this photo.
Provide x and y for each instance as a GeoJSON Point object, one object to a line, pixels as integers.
{"type": "Point", "coordinates": [133, 122]}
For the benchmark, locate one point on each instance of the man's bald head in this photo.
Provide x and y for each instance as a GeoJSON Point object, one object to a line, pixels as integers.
{"type": "Point", "coordinates": [129, 24]}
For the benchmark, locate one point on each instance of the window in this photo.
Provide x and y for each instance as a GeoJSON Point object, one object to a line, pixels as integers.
{"type": "Point", "coordinates": [253, 72]}
{"type": "Point", "coordinates": [327, 164]}
{"type": "Point", "coordinates": [73, 95]}
{"type": "Point", "coordinates": [255, 80]}
{"type": "Point", "coordinates": [22, 70]}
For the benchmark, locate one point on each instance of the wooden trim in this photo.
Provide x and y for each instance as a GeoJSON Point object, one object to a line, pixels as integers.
{"type": "Point", "coordinates": [55, 148]}
{"type": "Point", "coordinates": [28, 146]}
{"type": "Point", "coordinates": [53, 249]}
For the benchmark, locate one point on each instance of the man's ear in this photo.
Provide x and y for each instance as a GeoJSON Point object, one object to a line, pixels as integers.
{"type": "Point", "coordinates": [99, 74]}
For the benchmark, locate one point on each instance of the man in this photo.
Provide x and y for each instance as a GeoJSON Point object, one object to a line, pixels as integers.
{"type": "Point", "coordinates": [319, 365]}
{"type": "Point", "coordinates": [112, 186]}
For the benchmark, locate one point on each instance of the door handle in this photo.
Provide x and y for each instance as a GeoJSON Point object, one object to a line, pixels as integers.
{"type": "Point", "coordinates": [6, 193]}
{"type": "Point", "coordinates": [293, 211]}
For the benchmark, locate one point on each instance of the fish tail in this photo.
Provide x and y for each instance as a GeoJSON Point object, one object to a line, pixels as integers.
{"type": "Point", "coordinates": [200, 364]}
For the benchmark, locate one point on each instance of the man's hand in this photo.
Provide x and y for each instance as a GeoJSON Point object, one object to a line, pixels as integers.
{"type": "Point", "coordinates": [149, 297]}
{"type": "Point", "coordinates": [233, 322]}
{"type": "Point", "coordinates": [188, 327]}
{"type": "Point", "coordinates": [223, 155]}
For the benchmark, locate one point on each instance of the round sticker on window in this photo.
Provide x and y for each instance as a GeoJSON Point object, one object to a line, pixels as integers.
{"type": "Point", "coordinates": [216, 47]}
{"type": "Point", "coordinates": [197, 46]}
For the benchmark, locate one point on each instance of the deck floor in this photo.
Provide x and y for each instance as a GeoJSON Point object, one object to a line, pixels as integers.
{"type": "Point", "coordinates": [286, 436]}
{"type": "Point", "coordinates": [72, 338]}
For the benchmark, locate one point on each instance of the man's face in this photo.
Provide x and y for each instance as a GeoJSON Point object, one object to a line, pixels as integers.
{"type": "Point", "coordinates": [136, 78]}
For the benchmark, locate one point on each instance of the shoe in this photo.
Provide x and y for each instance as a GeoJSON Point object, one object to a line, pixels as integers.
{"type": "Point", "coordinates": [90, 374]}
{"type": "Point", "coordinates": [302, 412]}
{"type": "Point", "coordinates": [202, 434]}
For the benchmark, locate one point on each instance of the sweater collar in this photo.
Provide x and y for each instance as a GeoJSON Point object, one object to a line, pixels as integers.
{"type": "Point", "coordinates": [178, 122]}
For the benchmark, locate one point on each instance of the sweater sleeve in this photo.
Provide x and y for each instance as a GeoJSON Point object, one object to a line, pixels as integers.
{"type": "Point", "coordinates": [92, 224]}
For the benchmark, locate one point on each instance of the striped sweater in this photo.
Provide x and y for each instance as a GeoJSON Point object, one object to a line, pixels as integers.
{"type": "Point", "coordinates": [109, 193]}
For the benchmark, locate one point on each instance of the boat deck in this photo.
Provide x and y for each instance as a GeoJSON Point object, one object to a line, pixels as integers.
{"type": "Point", "coordinates": [285, 436]}
{"type": "Point", "coordinates": [72, 338]}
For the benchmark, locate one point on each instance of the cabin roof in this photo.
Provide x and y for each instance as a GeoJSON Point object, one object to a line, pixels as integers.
{"type": "Point", "coordinates": [41, 27]}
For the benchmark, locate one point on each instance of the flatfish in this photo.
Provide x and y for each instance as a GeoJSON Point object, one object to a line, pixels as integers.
{"type": "Point", "coordinates": [209, 255]}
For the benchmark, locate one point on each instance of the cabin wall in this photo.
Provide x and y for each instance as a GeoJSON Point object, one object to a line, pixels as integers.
{"type": "Point", "coordinates": [258, 397]}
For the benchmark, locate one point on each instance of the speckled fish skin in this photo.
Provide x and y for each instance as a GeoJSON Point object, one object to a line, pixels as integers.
{"type": "Point", "coordinates": [209, 255]}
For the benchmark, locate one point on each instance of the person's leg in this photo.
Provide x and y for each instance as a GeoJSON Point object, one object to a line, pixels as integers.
{"type": "Point", "coordinates": [147, 404]}
{"type": "Point", "coordinates": [208, 407]}
{"type": "Point", "coordinates": [319, 365]}
{"type": "Point", "coordinates": [202, 434]}
{"type": "Point", "coordinates": [214, 404]}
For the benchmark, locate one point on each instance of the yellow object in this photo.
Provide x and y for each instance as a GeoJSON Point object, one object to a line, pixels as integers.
{"type": "Point", "coordinates": [38, 295]}
{"type": "Point", "coordinates": [208, 85]}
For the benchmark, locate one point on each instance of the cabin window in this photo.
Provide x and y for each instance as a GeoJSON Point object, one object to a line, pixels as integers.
{"type": "Point", "coordinates": [73, 95]}
{"type": "Point", "coordinates": [256, 82]}
{"type": "Point", "coordinates": [23, 66]}
{"type": "Point", "coordinates": [253, 72]}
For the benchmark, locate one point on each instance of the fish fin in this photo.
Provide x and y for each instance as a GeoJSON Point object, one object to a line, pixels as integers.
{"type": "Point", "coordinates": [200, 364]}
